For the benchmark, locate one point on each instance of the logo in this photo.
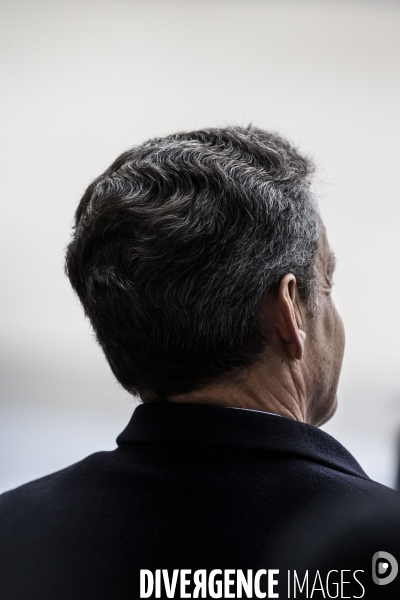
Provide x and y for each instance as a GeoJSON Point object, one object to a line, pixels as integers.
{"type": "Point", "coordinates": [384, 568]}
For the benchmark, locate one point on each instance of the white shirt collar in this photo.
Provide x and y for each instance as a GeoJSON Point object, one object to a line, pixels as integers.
{"type": "Point", "coordinates": [253, 410]}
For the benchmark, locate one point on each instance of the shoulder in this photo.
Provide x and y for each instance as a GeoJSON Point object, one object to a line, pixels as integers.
{"type": "Point", "coordinates": [48, 494]}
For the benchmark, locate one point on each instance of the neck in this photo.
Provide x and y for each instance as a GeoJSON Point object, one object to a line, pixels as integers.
{"type": "Point", "coordinates": [271, 385]}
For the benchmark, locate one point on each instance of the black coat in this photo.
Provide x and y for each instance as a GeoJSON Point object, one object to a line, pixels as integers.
{"type": "Point", "coordinates": [189, 487]}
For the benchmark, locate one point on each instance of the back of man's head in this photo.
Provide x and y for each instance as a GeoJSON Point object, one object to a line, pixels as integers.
{"type": "Point", "coordinates": [175, 246]}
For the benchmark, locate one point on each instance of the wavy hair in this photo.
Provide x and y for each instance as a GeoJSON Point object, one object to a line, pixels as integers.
{"type": "Point", "coordinates": [177, 242]}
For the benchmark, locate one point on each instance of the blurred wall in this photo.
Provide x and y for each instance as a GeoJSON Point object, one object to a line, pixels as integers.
{"type": "Point", "coordinates": [82, 80]}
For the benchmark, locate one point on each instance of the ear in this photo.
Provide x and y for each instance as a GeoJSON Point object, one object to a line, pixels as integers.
{"type": "Point", "coordinates": [290, 322]}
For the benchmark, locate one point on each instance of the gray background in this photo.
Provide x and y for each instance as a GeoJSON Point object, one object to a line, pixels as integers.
{"type": "Point", "coordinates": [81, 81]}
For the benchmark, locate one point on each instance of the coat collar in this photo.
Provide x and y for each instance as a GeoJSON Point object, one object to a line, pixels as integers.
{"type": "Point", "coordinates": [205, 425]}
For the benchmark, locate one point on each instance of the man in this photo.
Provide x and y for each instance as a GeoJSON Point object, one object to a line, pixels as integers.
{"type": "Point", "coordinates": [204, 267]}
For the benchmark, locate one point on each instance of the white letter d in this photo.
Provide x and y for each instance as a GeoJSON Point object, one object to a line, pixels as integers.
{"type": "Point", "coordinates": [146, 574]}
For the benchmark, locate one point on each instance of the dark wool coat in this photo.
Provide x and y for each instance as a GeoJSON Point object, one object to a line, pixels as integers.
{"type": "Point", "coordinates": [188, 487]}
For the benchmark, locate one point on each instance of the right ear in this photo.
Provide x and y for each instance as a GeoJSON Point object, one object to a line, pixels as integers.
{"type": "Point", "coordinates": [290, 322]}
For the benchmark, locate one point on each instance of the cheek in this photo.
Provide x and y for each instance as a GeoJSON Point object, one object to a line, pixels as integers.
{"type": "Point", "coordinates": [340, 336]}
{"type": "Point", "coordinates": [330, 333]}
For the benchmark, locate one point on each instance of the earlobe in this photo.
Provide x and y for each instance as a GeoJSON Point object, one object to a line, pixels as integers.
{"type": "Point", "coordinates": [290, 322]}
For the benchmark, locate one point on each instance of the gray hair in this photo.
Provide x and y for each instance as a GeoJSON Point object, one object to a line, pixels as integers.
{"type": "Point", "coordinates": [176, 244]}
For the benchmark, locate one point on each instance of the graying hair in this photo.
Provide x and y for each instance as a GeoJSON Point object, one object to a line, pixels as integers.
{"type": "Point", "coordinates": [176, 244]}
